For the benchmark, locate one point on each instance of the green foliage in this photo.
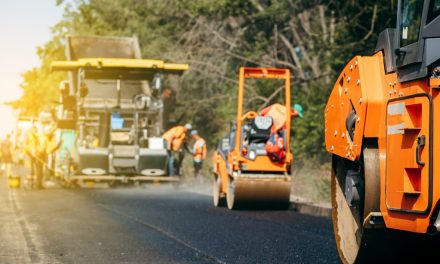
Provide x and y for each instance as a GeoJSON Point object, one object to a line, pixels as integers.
{"type": "Point", "coordinates": [312, 182]}
{"type": "Point", "coordinates": [313, 38]}
{"type": "Point", "coordinates": [307, 132]}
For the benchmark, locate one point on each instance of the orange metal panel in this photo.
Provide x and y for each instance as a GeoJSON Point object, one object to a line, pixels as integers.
{"type": "Point", "coordinates": [434, 83]}
{"type": "Point", "coordinates": [221, 170]}
{"type": "Point", "coordinates": [405, 187]}
{"type": "Point", "coordinates": [407, 183]}
{"type": "Point", "coordinates": [376, 93]}
{"type": "Point", "coordinates": [262, 163]}
{"type": "Point", "coordinates": [349, 94]}
{"type": "Point", "coordinates": [406, 191]}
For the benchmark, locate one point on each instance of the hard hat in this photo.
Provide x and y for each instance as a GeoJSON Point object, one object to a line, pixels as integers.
{"type": "Point", "coordinates": [188, 126]}
{"type": "Point", "coordinates": [299, 109]}
{"type": "Point", "coordinates": [194, 132]}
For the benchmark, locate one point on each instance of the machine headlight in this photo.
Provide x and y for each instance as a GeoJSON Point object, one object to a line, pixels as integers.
{"type": "Point", "coordinates": [252, 155]}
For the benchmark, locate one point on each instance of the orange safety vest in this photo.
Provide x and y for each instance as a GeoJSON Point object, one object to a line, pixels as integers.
{"type": "Point", "coordinates": [278, 114]}
{"type": "Point", "coordinates": [199, 150]}
{"type": "Point", "coordinates": [175, 137]}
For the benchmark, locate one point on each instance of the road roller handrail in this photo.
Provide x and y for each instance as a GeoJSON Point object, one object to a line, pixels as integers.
{"type": "Point", "coordinates": [249, 115]}
{"type": "Point", "coordinates": [262, 73]}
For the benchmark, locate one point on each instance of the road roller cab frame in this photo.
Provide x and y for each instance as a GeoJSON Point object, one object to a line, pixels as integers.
{"type": "Point", "coordinates": [244, 175]}
{"type": "Point", "coordinates": [381, 126]}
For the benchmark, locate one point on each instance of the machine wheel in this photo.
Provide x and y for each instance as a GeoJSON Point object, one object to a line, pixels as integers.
{"type": "Point", "coordinates": [347, 224]}
{"type": "Point", "coordinates": [230, 195]}
{"type": "Point", "coordinates": [356, 244]}
{"type": "Point", "coordinates": [217, 197]}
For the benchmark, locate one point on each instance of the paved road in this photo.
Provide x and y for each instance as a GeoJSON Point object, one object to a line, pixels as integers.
{"type": "Point", "coordinates": [152, 225]}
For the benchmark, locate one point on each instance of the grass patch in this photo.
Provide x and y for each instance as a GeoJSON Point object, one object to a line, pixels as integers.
{"type": "Point", "coordinates": [312, 182]}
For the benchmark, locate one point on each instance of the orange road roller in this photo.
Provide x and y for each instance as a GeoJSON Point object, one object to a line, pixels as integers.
{"type": "Point", "coordinates": [380, 127]}
{"type": "Point", "coordinates": [252, 163]}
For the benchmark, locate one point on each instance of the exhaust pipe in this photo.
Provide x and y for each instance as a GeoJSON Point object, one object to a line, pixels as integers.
{"type": "Point", "coordinates": [434, 228]}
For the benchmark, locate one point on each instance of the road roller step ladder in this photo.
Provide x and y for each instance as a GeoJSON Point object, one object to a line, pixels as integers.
{"type": "Point", "coordinates": [244, 174]}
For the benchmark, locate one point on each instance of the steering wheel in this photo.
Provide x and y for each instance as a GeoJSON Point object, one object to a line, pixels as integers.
{"type": "Point", "coordinates": [249, 115]}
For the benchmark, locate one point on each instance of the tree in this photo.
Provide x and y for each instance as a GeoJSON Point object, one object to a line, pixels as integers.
{"type": "Point", "coordinates": [312, 38]}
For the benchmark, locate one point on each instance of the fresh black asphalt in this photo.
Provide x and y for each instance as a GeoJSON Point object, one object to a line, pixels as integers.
{"type": "Point", "coordinates": [158, 225]}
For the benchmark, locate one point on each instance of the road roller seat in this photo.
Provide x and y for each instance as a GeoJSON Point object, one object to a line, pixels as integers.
{"type": "Point", "coordinates": [259, 130]}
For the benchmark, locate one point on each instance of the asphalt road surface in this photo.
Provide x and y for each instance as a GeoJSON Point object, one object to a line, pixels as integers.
{"type": "Point", "coordinates": [153, 224]}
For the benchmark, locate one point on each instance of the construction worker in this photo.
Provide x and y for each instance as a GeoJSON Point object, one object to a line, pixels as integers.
{"type": "Point", "coordinates": [275, 145]}
{"type": "Point", "coordinates": [42, 144]}
{"type": "Point", "coordinates": [49, 145]}
{"type": "Point", "coordinates": [6, 149]}
{"type": "Point", "coordinates": [278, 114]}
{"type": "Point", "coordinates": [198, 152]}
{"type": "Point", "coordinates": [31, 148]}
{"type": "Point", "coordinates": [176, 139]}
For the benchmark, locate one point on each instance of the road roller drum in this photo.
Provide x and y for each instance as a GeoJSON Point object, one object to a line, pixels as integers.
{"type": "Point", "coordinates": [255, 191]}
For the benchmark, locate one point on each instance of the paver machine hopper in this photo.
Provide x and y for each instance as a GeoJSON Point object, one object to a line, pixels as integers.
{"type": "Point", "coordinates": [244, 174]}
{"type": "Point", "coordinates": [381, 126]}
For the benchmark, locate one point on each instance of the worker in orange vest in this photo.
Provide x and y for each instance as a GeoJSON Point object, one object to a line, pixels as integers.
{"type": "Point", "coordinates": [31, 148]}
{"type": "Point", "coordinates": [198, 152]}
{"type": "Point", "coordinates": [275, 146]}
{"type": "Point", "coordinates": [176, 140]}
{"type": "Point", "coordinates": [50, 145]}
{"type": "Point", "coordinates": [7, 154]}
{"type": "Point", "coordinates": [278, 114]}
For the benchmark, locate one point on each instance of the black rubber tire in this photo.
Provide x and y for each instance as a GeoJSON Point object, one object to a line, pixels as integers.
{"type": "Point", "coordinates": [219, 200]}
{"type": "Point", "coordinates": [356, 244]}
{"type": "Point", "coordinates": [230, 195]}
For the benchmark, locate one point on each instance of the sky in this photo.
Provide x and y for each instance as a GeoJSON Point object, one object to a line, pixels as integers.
{"type": "Point", "coordinates": [24, 25]}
